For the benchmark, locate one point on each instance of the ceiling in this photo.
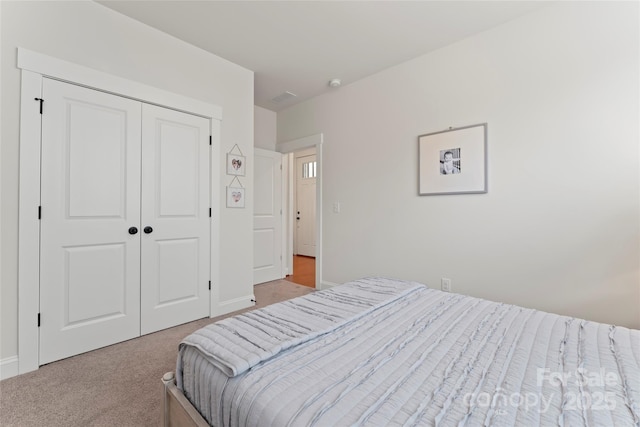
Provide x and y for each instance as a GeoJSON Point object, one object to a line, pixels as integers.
{"type": "Point", "coordinates": [298, 46]}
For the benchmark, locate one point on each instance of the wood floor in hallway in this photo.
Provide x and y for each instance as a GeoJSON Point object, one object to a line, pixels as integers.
{"type": "Point", "coordinates": [304, 271]}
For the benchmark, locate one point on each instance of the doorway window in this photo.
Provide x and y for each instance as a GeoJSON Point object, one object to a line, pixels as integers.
{"type": "Point", "coordinates": [309, 170]}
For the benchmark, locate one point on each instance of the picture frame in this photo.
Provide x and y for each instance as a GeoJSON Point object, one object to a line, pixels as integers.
{"type": "Point", "coordinates": [236, 164]}
{"type": "Point", "coordinates": [453, 161]}
{"type": "Point", "coordinates": [235, 197]}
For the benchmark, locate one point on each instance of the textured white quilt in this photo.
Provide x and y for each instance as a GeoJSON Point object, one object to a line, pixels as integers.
{"type": "Point", "coordinates": [385, 352]}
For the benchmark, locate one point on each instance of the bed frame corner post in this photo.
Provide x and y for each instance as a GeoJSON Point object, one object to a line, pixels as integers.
{"type": "Point", "coordinates": [167, 380]}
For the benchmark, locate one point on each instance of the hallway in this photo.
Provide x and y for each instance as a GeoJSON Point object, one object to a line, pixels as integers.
{"type": "Point", "coordinates": [304, 271]}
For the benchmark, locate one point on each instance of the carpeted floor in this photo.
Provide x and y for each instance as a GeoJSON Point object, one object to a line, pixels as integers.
{"type": "Point", "coordinates": [115, 386]}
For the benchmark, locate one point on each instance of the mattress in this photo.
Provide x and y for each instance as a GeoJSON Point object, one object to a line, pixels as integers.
{"type": "Point", "coordinates": [382, 352]}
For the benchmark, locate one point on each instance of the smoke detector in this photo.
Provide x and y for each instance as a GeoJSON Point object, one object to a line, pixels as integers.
{"type": "Point", "coordinates": [335, 82]}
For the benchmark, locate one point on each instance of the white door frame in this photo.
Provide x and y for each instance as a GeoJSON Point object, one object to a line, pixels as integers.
{"type": "Point", "coordinates": [297, 145]}
{"type": "Point", "coordinates": [34, 67]}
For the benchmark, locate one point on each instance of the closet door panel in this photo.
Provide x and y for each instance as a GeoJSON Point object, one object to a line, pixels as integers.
{"type": "Point", "coordinates": [89, 263]}
{"type": "Point", "coordinates": [175, 214]}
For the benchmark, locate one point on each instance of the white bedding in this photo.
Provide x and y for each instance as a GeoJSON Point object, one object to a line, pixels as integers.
{"type": "Point", "coordinates": [382, 352]}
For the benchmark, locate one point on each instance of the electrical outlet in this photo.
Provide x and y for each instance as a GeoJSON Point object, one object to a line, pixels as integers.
{"type": "Point", "coordinates": [445, 284]}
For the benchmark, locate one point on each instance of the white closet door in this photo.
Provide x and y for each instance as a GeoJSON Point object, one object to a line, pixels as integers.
{"type": "Point", "coordinates": [90, 263]}
{"type": "Point", "coordinates": [175, 218]}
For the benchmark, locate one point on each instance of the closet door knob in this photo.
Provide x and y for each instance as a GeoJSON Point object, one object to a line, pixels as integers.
{"type": "Point", "coordinates": [133, 230]}
{"type": "Point", "coordinates": [148, 229]}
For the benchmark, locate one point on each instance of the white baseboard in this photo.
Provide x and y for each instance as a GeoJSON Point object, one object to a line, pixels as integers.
{"type": "Point", "coordinates": [235, 304]}
{"type": "Point", "coordinates": [327, 285]}
{"type": "Point", "coordinates": [8, 367]}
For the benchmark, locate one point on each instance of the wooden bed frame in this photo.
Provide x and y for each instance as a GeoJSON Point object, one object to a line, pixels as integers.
{"type": "Point", "coordinates": [177, 411]}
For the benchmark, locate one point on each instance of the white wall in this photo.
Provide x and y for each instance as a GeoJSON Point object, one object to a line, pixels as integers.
{"type": "Point", "coordinates": [559, 228]}
{"type": "Point", "coordinates": [264, 128]}
{"type": "Point", "coordinates": [91, 35]}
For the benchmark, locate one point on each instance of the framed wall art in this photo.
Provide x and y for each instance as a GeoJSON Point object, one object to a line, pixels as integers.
{"type": "Point", "coordinates": [236, 164]}
{"type": "Point", "coordinates": [235, 197]}
{"type": "Point", "coordinates": [453, 161]}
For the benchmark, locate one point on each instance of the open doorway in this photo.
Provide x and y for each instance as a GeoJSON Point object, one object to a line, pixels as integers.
{"type": "Point", "coordinates": [302, 190]}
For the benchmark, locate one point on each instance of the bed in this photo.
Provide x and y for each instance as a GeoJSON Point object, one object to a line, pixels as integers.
{"type": "Point", "coordinates": [381, 352]}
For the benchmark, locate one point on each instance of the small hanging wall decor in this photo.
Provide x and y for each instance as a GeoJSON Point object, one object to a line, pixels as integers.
{"type": "Point", "coordinates": [235, 195]}
{"type": "Point", "coordinates": [453, 161]}
{"type": "Point", "coordinates": [236, 163]}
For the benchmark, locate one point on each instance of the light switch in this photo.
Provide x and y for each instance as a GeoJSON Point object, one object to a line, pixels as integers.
{"type": "Point", "coordinates": [336, 207]}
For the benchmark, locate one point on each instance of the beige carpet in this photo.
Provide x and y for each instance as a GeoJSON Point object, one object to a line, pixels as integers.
{"type": "Point", "coordinates": [114, 386]}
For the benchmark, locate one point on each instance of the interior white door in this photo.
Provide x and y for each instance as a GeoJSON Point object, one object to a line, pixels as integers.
{"type": "Point", "coordinates": [175, 218]}
{"type": "Point", "coordinates": [267, 216]}
{"type": "Point", "coordinates": [306, 168]}
{"type": "Point", "coordinates": [90, 257]}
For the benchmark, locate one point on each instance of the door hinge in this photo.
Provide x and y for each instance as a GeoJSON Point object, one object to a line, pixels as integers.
{"type": "Point", "coordinates": [210, 140]}
{"type": "Point", "coordinates": [39, 212]}
{"type": "Point", "coordinates": [209, 212]}
{"type": "Point", "coordinates": [41, 102]}
{"type": "Point", "coordinates": [38, 320]}
{"type": "Point", "coordinates": [280, 167]}
{"type": "Point", "coordinates": [209, 284]}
